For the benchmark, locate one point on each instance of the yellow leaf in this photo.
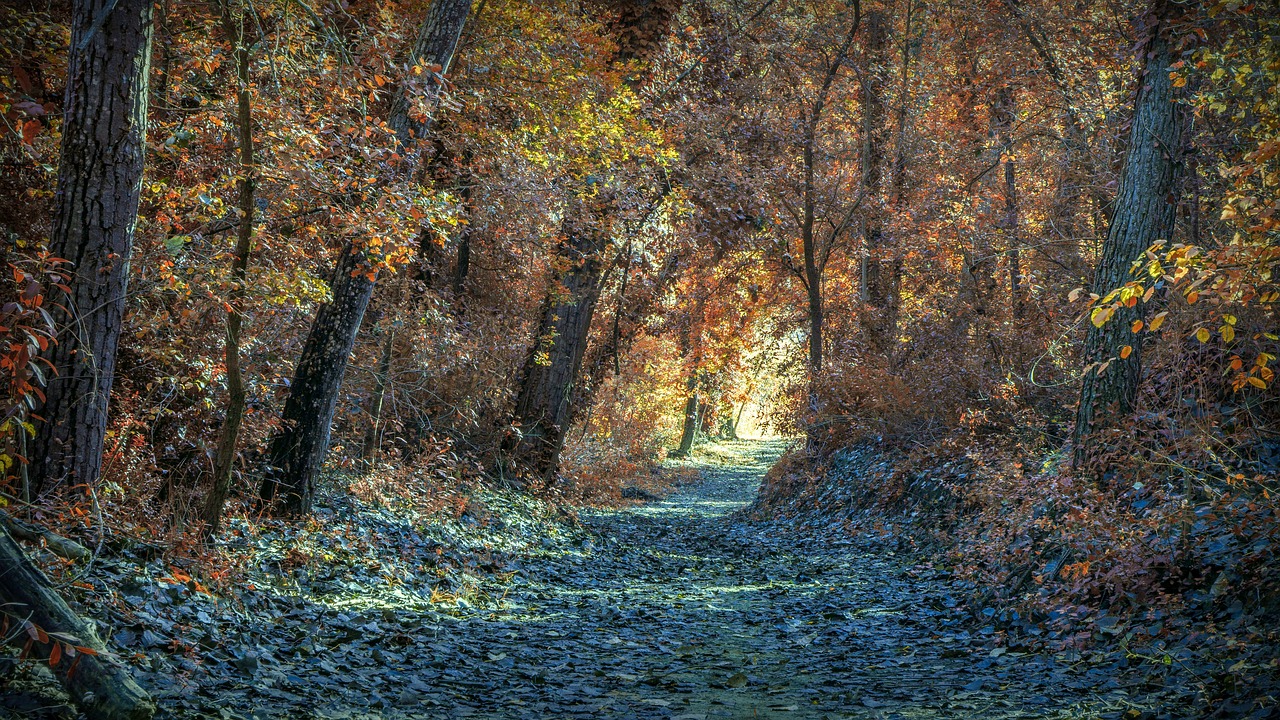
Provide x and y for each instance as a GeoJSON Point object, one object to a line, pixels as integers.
{"type": "Point", "coordinates": [1136, 327]}
{"type": "Point", "coordinates": [1257, 382]}
{"type": "Point", "coordinates": [1228, 333]}
{"type": "Point", "coordinates": [1202, 335]}
{"type": "Point", "coordinates": [1100, 316]}
{"type": "Point", "coordinates": [1156, 322]}
{"type": "Point", "coordinates": [1125, 352]}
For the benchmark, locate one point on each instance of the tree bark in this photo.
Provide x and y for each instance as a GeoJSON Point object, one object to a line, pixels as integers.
{"type": "Point", "coordinates": [100, 686]}
{"type": "Point", "coordinates": [96, 209]}
{"type": "Point", "coordinates": [813, 266]}
{"type": "Point", "coordinates": [432, 52]}
{"type": "Point", "coordinates": [1004, 111]}
{"type": "Point", "coordinates": [691, 355]}
{"type": "Point", "coordinates": [382, 380]}
{"type": "Point", "coordinates": [224, 459]}
{"type": "Point", "coordinates": [298, 449]}
{"type": "Point", "coordinates": [1145, 211]}
{"type": "Point", "coordinates": [551, 368]}
{"type": "Point", "coordinates": [689, 431]}
{"type": "Point", "coordinates": [877, 279]}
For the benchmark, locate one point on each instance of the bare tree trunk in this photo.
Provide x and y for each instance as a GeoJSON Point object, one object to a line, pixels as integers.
{"type": "Point", "coordinates": [96, 209]}
{"type": "Point", "coordinates": [224, 460]}
{"type": "Point", "coordinates": [898, 187]}
{"type": "Point", "coordinates": [813, 266]}
{"type": "Point", "coordinates": [1145, 211]}
{"type": "Point", "coordinates": [689, 430]}
{"type": "Point", "coordinates": [876, 276]}
{"type": "Point", "coordinates": [1004, 112]}
{"type": "Point", "coordinates": [551, 371]}
{"type": "Point", "coordinates": [96, 681]}
{"type": "Point", "coordinates": [1075, 146]}
{"type": "Point", "coordinates": [691, 355]}
{"type": "Point", "coordinates": [298, 450]}
{"type": "Point", "coordinates": [462, 266]}
{"type": "Point", "coordinates": [373, 434]}
{"type": "Point", "coordinates": [382, 380]}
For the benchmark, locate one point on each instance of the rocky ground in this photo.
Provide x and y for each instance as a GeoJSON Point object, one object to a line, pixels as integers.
{"type": "Point", "coordinates": [678, 608]}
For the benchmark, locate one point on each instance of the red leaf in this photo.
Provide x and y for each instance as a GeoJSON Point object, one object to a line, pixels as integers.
{"type": "Point", "coordinates": [30, 129]}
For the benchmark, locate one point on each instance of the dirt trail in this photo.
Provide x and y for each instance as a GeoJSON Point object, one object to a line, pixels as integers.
{"type": "Point", "coordinates": [681, 609]}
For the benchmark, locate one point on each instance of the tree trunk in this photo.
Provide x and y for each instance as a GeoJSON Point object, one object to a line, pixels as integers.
{"type": "Point", "coordinates": [1075, 145]}
{"type": "Point", "coordinates": [691, 356]}
{"type": "Point", "coordinates": [96, 208]}
{"type": "Point", "coordinates": [373, 434]}
{"type": "Point", "coordinates": [298, 450]}
{"type": "Point", "coordinates": [1144, 212]}
{"type": "Point", "coordinates": [897, 191]}
{"type": "Point", "coordinates": [432, 52]}
{"type": "Point", "coordinates": [545, 402]}
{"type": "Point", "coordinates": [552, 366]}
{"type": "Point", "coordinates": [98, 684]}
{"type": "Point", "coordinates": [1005, 111]}
{"type": "Point", "coordinates": [224, 460]}
{"type": "Point", "coordinates": [462, 265]}
{"type": "Point", "coordinates": [690, 430]}
{"type": "Point", "coordinates": [813, 266]}
{"type": "Point", "coordinates": [876, 279]}
{"type": "Point", "coordinates": [382, 380]}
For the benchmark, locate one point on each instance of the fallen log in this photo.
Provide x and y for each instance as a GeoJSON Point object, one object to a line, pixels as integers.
{"type": "Point", "coordinates": [58, 545]}
{"type": "Point", "coordinates": [41, 623]}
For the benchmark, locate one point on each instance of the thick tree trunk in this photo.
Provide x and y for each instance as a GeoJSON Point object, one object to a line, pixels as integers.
{"type": "Point", "coordinates": [551, 369]}
{"type": "Point", "coordinates": [96, 209]}
{"type": "Point", "coordinates": [298, 450]}
{"type": "Point", "coordinates": [97, 683]}
{"type": "Point", "coordinates": [1144, 212]}
{"type": "Point", "coordinates": [224, 459]}
{"type": "Point", "coordinates": [550, 374]}
{"type": "Point", "coordinates": [418, 95]}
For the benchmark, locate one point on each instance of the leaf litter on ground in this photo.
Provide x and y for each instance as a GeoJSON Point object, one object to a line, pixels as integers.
{"type": "Point", "coordinates": [680, 607]}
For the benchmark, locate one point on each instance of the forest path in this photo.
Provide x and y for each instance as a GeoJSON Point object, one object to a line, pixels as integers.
{"type": "Point", "coordinates": [682, 609]}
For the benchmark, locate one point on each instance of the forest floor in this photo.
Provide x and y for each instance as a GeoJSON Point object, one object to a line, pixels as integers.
{"type": "Point", "coordinates": [678, 608]}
